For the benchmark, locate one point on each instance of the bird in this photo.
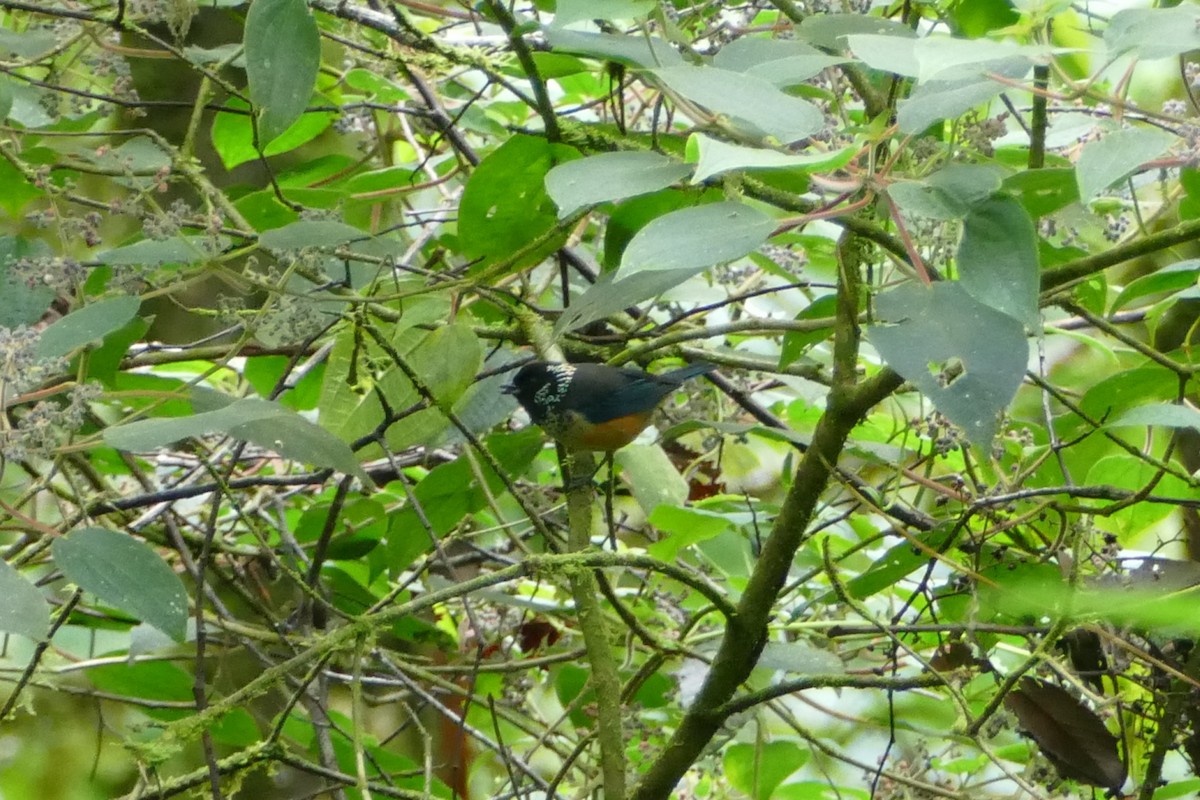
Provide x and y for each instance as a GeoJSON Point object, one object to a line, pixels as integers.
{"type": "Point", "coordinates": [594, 406]}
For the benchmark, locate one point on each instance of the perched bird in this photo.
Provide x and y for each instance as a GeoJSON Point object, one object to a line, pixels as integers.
{"type": "Point", "coordinates": [593, 406]}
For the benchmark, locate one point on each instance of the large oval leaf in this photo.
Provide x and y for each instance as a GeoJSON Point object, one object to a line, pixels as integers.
{"type": "Point", "coordinates": [23, 610]}
{"type": "Point", "coordinates": [947, 96]}
{"type": "Point", "coordinates": [283, 54]}
{"type": "Point", "coordinates": [716, 156]}
{"type": "Point", "coordinates": [1153, 32]}
{"type": "Point", "coordinates": [1118, 155]}
{"type": "Point", "coordinates": [998, 259]}
{"type": "Point", "coordinates": [85, 325]}
{"type": "Point", "coordinates": [608, 296]}
{"type": "Point", "coordinates": [265, 424]}
{"type": "Point", "coordinates": [610, 176]}
{"type": "Point", "coordinates": [694, 239]}
{"type": "Point", "coordinates": [126, 574]}
{"type": "Point", "coordinates": [747, 100]}
{"type": "Point", "coordinates": [505, 205]}
{"type": "Point", "coordinates": [967, 357]}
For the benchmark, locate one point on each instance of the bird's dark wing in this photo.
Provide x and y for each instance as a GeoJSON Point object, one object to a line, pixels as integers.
{"type": "Point", "coordinates": [601, 393]}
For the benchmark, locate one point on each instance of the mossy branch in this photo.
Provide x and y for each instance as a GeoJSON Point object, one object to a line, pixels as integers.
{"type": "Point", "coordinates": [746, 632]}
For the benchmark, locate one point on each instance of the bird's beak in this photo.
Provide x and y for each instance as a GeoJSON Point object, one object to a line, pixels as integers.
{"type": "Point", "coordinates": [508, 388]}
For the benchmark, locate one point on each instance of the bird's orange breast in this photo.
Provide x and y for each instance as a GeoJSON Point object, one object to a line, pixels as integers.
{"type": "Point", "coordinates": [610, 435]}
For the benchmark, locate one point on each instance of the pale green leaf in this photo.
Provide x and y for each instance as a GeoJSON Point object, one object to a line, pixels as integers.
{"type": "Point", "coordinates": [998, 259]}
{"type": "Point", "coordinates": [717, 157]}
{"type": "Point", "coordinates": [1153, 32]}
{"type": "Point", "coordinates": [1117, 156]}
{"type": "Point", "coordinates": [1172, 278]}
{"type": "Point", "coordinates": [747, 100]}
{"type": "Point", "coordinates": [697, 238]}
{"type": "Point", "coordinates": [610, 176]}
{"type": "Point", "coordinates": [127, 574]}
{"type": "Point", "coordinates": [90, 323]}
{"type": "Point", "coordinates": [651, 476]}
{"type": "Point", "coordinates": [967, 357]}
{"type": "Point", "coordinates": [283, 54]}
{"type": "Point", "coordinates": [1165, 415]}
{"type": "Point", "coordinates": [24, 610]}
{"type": "Point", "coordinates": [636, 50]}
{"type": "Point", "coordinates": [567, 12]}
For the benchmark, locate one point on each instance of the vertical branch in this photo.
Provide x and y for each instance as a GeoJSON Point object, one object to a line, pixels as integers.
{"type": "Point", "coordinates": [746, 632]}
{"type": "Point", "coordinates": [544, 107]}
{"type": "Point", "coordinates": [586, 592]}
{"type": "Point", "coordinates": [1037, 117]}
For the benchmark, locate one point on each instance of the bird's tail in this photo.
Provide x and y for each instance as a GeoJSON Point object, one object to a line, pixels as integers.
{"type": "Point", "coordinates": [690, 371]}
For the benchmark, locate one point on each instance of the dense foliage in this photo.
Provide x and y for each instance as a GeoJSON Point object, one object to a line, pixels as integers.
{"type": "Point", "coordinates": [271, 528]}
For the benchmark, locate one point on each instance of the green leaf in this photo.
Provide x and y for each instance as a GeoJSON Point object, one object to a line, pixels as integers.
{"type": "Point", "coordinates": [149, 434]}
{"type": "Point", "coordinates": [694, 239]}
{"type": "Point", "coordinates": [138, 154]}
{"type": "Point", "coordinates": [446, 360]}
{"type": "Point", "coordinates": [1153, 32]}
{"type": "Point", "coordinates": [900, 561]}
{"type": "Point", "coordinates": [800, 657]}
{"type": "Point", "coordinates": [945, 98]}
{"type": "Point", "coordinates": [233, 134]}
{"type": "Point", "coordinates": [1178, 788]}
{"type": "Point", "coordinates": [312, 233]}
{"type": "Point", "coordinates": [294, 437]}
{"type": "Point", "coordinates": [783, 62]}
{"type": "Point", "coordinates": [231, 54]}
{"type": "Point", "coordinates": [608, 296]}
{"type": "Point", "coordinates": [681, 527]}
{"type": "Point", "coordinates": [505, 205]}
{"type": "Point", "coordinates": [936, 57]}
{"type": "Point", "coordinates": [258, 421]}
{"type": "Point", "coordinates": [965, 356]}
{"type": "Point", "coordinates": [610, 176]}
{"type": "Point", "coordinates": [638, 51]}
{"type": "Point", "coordinates": [886, 53]}
{"type": "Point", "coordinates": [375, 86]}
{"type": "Point", "coordinates": [1165, 415]}
{"type": "Point", "coordinates": [830, 30]}
{"type": "Point", "coordinates": [1043, 191]}
{"type": "Point", "coordinates": [349, 403]}
{"type": "Point", "coordinates": [29, 106]}
{"type": "Point", "coordinates": [21, 303]}
{"type": "Point", "coordinates": [975, 18]}
{"type": "Point", "coordinates": [716, 157]}
{"type": "Point", "coordinates": [1117, 156]}
{"type": "Point", "coordinates": [795, 343]}
{"type": "Point", "coordinates": [28, 43]}
{"type": "Point", "coordinates": [1129, 472]}
{"type": "Point", "coordinates": [85, 325]}
{"type": "Point", "coordinates": [948, 193]}
{"type": "Point", "coordinates": [569, 11]}
{"type": "Point", "coordinates": [283, 54]}
{"type": "Point", "coordinates": [6, 99]}
{"type": "Point", "coordinates": [156, 252]}
{"type": "Point", "coordinates": [998, 259]}
{"type": "Point", "coordinates": [1173, 278]}
{"type": "Point", "coordinates": [630, 216]}
{"type": "Point", "coordinates": [748, 100]}
{"type": "Point", "coordinates": [756, 770]}
{"type": "Point", "coordinates": [651, 476]}
{"type": "Point", "coordinates": [17, 194]}
{"type": "Point", "coordinates": [127, 574]}
{"type": "Point", "coordinates": [1117, 393]}
{"type": "Point", "coordinates": [24, 610]}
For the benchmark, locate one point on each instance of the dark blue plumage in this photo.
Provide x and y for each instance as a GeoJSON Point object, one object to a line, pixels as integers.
{"type": "Point", "coordinates": [593, 406]}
